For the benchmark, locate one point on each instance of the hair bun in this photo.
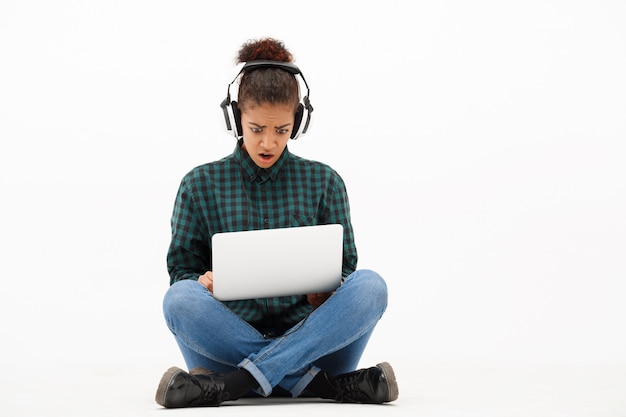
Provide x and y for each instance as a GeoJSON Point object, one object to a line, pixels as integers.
{"type": "Point", "coordinates": [264, 49]}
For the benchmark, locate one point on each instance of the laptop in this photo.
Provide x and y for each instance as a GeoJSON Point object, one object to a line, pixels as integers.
{"type": "Point", "coordinates": [277, 262]}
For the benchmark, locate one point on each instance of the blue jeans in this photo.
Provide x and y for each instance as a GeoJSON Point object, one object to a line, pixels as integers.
{"type": "Point", "coordinates": [332, 338]}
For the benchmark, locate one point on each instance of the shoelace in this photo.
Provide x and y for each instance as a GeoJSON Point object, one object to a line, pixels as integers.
{"type": "Point", "coordinates": [349, 390]}
{"type": "Point", "coordinates": [210, 391]}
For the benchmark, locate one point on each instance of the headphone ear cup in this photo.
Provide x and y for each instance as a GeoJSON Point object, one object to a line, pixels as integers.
{"type": "Point", "coordinates": [236, 119]}
{"type": "Point", "coordinates": [297, 121]}
{"type": "Point", "coordinates": [232, 117]}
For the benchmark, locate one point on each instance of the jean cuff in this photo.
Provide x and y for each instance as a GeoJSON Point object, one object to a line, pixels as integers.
{"type": "Point", "coordinates": [264, 384]}
{"type": "Point", "coordinates": [304, 381]}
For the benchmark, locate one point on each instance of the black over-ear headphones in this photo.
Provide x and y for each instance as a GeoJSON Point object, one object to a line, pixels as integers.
{"type": "Point", "coordinates": [232, 114]}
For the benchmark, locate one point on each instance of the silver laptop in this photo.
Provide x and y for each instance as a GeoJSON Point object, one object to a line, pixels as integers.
{"type": "Point", "coordinates": [277, 262]}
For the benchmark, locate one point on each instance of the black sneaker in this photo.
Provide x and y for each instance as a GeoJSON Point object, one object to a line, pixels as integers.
{"type": "Point", "coordinates": [181, 389]}
{"type": "Point", "coordinates": [375, 385]}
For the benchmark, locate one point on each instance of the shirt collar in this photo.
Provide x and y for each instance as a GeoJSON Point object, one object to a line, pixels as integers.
{"type": "Point", "coordinates": [255, 173]}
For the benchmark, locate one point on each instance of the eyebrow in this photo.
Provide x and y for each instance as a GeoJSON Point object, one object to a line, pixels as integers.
{"type": "Point", "coordinates": [263, 127]}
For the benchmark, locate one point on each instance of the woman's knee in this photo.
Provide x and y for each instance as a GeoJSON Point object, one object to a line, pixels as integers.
{"type": "Point", "coordinates": [179, 300]}
{"type": "Point", "coordinates": [370, 285]}
{"type": "Point", "coordinates": [371, 279]}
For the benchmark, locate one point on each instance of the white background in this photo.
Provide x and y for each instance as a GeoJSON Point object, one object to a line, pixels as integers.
{"type": "Point", "coordinates": [482, 143]}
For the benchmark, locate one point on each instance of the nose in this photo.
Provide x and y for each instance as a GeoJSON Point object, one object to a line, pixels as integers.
{"type": "Point", "coordinates": [267, 140]}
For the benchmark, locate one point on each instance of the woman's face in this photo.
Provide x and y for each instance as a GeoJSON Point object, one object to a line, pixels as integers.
{"type": "Point", "coordinates": [266, 130]}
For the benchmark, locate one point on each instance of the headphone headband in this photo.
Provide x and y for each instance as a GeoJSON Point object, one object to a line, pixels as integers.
{"type": "Point", "coordinates": [287, 66]}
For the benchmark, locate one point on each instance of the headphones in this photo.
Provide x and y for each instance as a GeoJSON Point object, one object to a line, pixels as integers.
{"type": "Point", "coordinates": [232, 114]}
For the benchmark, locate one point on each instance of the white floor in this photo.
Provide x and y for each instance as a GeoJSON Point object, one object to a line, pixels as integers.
{"type": "Point", "coordinates": [426, 389]}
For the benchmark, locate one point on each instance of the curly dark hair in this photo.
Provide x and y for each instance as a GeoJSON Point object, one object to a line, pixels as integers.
{"type": "Point", "coordinates": [265, 48]}
{"type": "Point", "coordinates": [266, 85]}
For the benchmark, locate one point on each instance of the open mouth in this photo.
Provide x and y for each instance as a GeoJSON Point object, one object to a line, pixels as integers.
{"type": "Point", "coordinates": [265, 156]}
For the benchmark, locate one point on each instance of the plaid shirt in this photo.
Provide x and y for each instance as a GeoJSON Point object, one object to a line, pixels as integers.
{"type": "Point", "coordinates": [234, 194]}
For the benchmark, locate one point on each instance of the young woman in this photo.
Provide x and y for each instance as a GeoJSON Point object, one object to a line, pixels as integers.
{"type": "Point", "coordinates": [304, 344]}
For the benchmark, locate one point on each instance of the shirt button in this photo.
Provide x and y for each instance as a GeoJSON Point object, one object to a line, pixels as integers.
{"type": "Point", "coordinates": [263, 188]}
{"type": "Point", "coordinates": [265, 221]}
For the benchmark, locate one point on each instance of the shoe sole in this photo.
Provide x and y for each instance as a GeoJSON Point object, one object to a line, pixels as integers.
{"type": "Point", "coordinates": [167, 378]}
{"type": "Point", "coordinates": [392, 385]}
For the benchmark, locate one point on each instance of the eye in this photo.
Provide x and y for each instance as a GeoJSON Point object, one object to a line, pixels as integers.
{"type": "Point", "coordinates": [282, 131]}
{"type": "Point", "coordinates": [256, 129]}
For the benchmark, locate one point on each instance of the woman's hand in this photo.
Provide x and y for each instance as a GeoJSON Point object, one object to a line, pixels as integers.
{"type": "Point", "coordinates": [318, 299]}
{"type": "Point", "coordinates": [206, 280]}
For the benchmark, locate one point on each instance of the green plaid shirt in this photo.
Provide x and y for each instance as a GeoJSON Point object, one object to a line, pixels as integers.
{"type": "Point", "coordinates": [234, 194]}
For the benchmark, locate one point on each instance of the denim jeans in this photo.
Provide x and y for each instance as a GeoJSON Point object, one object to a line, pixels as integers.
{"type": "Point", "coordinates": [332, 338]}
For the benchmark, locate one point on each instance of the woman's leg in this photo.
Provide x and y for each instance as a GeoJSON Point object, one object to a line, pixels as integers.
{"type": "Point", "coordinates": [346, 359]}
{"type": "Point", "coordinates": [341, 326]}
{"type": "Point", "coordinates": [208, 333]}
{"type": "Point", "coordinates": [332, 338]}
